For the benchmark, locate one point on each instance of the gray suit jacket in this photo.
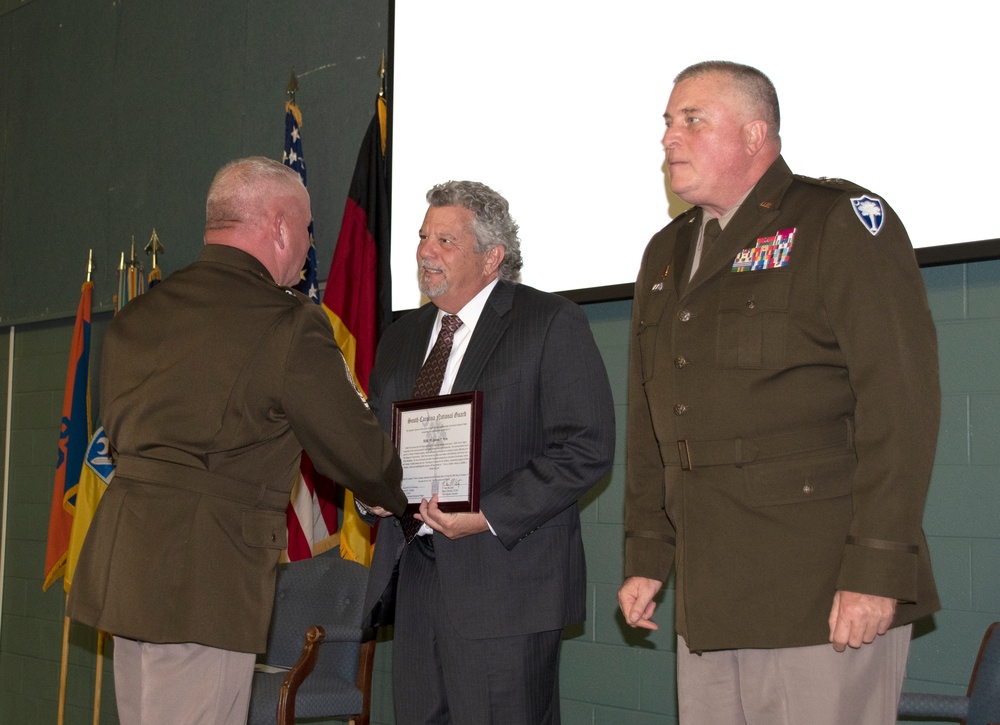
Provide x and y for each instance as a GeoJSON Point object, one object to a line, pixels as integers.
{"type": "Point", "coordinates": [548, 436]}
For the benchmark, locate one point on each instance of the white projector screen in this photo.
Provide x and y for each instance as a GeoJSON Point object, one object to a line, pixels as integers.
{"type": "Point", "coordinates": [558, 106]}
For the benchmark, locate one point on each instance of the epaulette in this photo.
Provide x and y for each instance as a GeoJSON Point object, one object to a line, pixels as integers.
{"type": "Point", "coordinates": [292, 293]}
{"type": "Point", "coordinates": [829, 182]}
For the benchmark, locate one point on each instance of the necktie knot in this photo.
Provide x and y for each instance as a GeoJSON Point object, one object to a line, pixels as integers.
{"type": "Point", "coordinates": [449, 324]}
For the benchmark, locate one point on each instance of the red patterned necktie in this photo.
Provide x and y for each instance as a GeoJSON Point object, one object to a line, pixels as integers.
{"type": "Point", "coordinates": [429, 383]}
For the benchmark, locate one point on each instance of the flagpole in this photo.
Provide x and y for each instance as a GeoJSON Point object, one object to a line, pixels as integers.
{"type": "Point", "coordinates": [99, 673]}
{"type": "Point", "coordinates": [63, 667]}
{"type": "Point", "coordinates": [99, 677]}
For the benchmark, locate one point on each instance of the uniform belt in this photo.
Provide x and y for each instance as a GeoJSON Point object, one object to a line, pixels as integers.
{"type": "Point", "coordinates": [689, 454]}
{"type": "Point", "coordinates": [198, 480]}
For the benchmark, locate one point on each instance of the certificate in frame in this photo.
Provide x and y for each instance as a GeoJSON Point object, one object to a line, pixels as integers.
{"type": "Point", "coordinates": [440, 441]}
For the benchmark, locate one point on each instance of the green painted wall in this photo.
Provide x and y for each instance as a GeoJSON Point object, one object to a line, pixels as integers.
{"type": "Point", "coordinates": [611, 674]}
{"type": "Point", "coordinates": [116, 115]}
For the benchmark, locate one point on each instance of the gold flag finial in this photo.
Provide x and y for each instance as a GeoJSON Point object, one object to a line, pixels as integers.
{"type": "Point", "coordinates": [381, 76]}
{"type": "Point", "coordinates": [153, 248]}
{"type": "Point", "coordinates": [293, 85]}
{"type": "Point", "coordinates": [90, 263]}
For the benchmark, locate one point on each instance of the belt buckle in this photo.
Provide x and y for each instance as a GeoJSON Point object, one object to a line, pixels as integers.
{"type": "Point", "coordinates": [684, 451]}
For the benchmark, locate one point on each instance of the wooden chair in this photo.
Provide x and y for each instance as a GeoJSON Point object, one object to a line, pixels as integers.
{"type": "Point", "coordinates": [317, 600]}
{"type": "Point", "coordinates": [981, 704]}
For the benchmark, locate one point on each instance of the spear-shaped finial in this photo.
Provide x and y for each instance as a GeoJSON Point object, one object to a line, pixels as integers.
{"type": "Point", "coordinates": [293, 85]}
{"type": "Point", "coordinates": [381, 76]}
{"type": "Point", "coordinates": [153, 248]}
{"type": "Point", "coordinates": [90, 264]}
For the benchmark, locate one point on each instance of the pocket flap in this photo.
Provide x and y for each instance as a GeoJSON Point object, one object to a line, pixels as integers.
{"type": "Point", "coordinates": [801, 480]}
{"type": "Point", "coordinates": [265, 529]}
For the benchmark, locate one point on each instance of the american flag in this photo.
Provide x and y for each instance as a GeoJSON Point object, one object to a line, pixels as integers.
{"type": "Point", "coordinates": [293, 158]}
{"type": "Point", "coordinates": [311, 516]}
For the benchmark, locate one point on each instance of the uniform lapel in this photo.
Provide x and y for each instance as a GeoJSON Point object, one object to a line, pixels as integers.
{"type": "Point", "coordinates": [687, 238]}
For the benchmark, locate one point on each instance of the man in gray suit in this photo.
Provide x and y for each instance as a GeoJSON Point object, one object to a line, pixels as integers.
{"type": "Point", "coordinates": [483, 597]}
{"type": "Point", "coordinates": [211, 384]}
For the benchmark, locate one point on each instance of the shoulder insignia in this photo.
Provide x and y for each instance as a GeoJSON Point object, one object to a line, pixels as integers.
{"type": "Point", "coordinates": [869, 211]}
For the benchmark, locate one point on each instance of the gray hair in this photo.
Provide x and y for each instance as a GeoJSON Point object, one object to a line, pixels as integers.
{"type": "Point", "coordinates": [492, 225]}
{"type": "Point", "coordinates": [242, 189]}
{"type": "Point", "coordinates": [754, 85]}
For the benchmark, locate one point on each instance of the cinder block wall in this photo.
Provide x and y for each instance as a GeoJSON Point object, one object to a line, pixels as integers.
{"type": "Point", "coordinates": [609, 674]}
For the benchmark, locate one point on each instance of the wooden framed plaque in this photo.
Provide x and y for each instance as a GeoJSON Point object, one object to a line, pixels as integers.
{"type": "Point", "coordinates": [440, 441]}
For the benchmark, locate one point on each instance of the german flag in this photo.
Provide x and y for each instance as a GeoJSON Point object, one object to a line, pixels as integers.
{"type": "Point", "coordinates": [358, 290]}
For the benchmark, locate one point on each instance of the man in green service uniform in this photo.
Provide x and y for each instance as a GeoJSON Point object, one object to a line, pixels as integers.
{"type": "Point", "coordinates": [783, 413]}
{"type": "Point", "coordinates": [211, 385]}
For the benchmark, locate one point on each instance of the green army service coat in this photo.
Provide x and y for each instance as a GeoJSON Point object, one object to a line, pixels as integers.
{"type": "Point", "coordinates": [783, 415]}
{"type": "Point", "coordinates": [212, 383]}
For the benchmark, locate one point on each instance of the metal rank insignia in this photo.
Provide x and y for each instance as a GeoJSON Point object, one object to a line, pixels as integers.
{"type": "Point", "coordinates": [658, 287]}
{"type": "Point", "coordinates": [767, 253]}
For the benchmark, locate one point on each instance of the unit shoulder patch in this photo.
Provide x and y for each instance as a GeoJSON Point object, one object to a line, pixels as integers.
{"type": "Point", "coordinates": [870, 211]}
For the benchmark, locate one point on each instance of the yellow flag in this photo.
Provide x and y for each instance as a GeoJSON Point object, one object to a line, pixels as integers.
{"type": "Point", "coordinates": [95, 476]}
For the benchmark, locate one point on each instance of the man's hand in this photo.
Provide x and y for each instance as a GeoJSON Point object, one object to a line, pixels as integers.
{"type": "Point", "coordinates": [373, 510]}
{"type": "Point", "coordinates": [454, 526]}
{"type": "Point", "coordinates": [636, 601]}
{"type": "Point", "coordinates": [857, 619]}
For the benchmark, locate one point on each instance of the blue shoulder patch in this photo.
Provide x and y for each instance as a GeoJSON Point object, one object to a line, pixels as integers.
{"type": "Point", "coordinates": [869, 211]}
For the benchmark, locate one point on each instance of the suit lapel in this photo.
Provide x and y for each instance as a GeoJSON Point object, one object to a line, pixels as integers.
{"type": "Point", "coordinates": [415, 349]}
{"type": "Point", "coordinates": [490, 328]}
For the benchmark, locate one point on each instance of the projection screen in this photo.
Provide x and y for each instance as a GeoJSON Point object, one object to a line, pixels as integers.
{"type": "Point", "coordinates": [559, 107]}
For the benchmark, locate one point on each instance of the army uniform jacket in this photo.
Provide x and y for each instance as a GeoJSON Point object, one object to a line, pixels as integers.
{"type": "Point", "coordinates": [783, 415]}
{"type": "Point", "coordinates": [211, 384]}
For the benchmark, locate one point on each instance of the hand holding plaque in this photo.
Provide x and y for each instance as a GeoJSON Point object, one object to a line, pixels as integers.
{"type": "Point", "coordinates": [439, 440]}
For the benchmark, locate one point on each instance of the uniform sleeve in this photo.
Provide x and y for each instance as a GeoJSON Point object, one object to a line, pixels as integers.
{"type": "Point", "coordinates": [649, 536]}
{"type": "Point", "coordinates": [332, 421]}
{"type": "Point", "coordinates": [874, 297]}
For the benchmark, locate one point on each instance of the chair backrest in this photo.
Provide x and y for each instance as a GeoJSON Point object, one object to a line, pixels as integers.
{"type": "Point", "coordinates": [324, 590]}
{"type": "Point", "coordinates": [984, 686]}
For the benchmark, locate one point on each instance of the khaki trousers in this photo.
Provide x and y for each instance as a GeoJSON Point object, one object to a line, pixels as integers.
{"type": "Point", "coordinates": [166, 684]}
{"type": "Point", "coordinates": [795, 686]}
